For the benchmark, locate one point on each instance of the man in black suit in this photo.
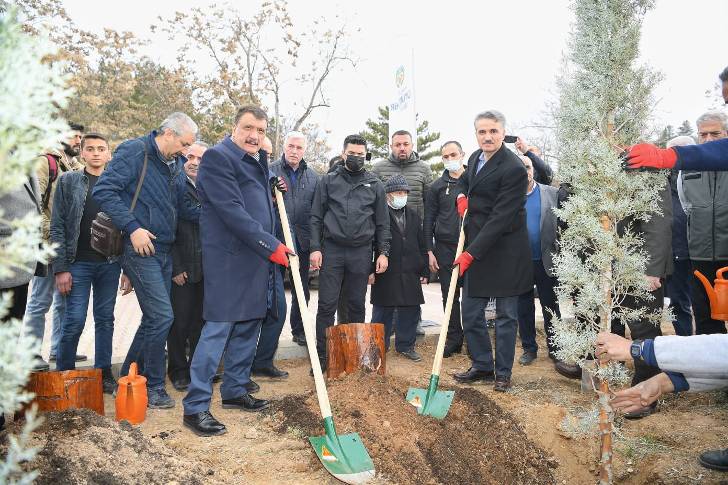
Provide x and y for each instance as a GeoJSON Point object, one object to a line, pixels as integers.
{"type": "Point", "coordinates": [188, 287]}
{"type": "Point", "coordinates": [497, 251]}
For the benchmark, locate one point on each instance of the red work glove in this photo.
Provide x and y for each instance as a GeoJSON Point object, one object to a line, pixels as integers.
{"type": "Point", "coordinates": [463, 262]}
{"type": "Point", "coordinates": [462, 204]}
{"type": "Point", "coordinates": [280, 255]}
{"type": "Point", "coordinates": [645, 155]}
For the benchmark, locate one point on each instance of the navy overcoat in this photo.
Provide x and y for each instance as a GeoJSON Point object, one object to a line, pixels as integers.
{"type": "Point", "coordinates": [237, 224]}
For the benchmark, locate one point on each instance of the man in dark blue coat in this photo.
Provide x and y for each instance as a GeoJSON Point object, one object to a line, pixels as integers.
{"type": "Point", "coordinates": [239, 254]}
{"type": "Point", "coordinates": [150, 229]}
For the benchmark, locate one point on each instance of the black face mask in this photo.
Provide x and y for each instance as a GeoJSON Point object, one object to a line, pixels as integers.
{"type": "Point", "coordinates": [354, 163]}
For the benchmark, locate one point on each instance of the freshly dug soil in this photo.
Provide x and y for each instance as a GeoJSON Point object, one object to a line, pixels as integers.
{"type": "Point", "coordinates": [477, 442]}
{"type": "Point", "coordinates": [79, 446]}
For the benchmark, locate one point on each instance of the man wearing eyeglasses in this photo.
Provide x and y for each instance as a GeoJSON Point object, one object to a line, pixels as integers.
{"type": "Point", "coordinates": [187, 288]}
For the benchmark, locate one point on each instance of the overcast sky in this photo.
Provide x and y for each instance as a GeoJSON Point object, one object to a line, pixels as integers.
{"type": "Point", "coordinates": [469, 56]}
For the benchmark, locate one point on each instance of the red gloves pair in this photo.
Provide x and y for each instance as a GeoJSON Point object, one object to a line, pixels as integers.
{"type": "Point", "coordinates": [645, 155]}
{"type": "Point", "coordinates": [280, 255]}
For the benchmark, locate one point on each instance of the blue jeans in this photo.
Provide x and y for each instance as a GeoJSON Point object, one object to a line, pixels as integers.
{"type": "Point", "coordinates": [478, 340]}
{"type": "Point", "coordinates": [43, 294]}
{"type": "Point", "coordinates": [237, 340]}
{"type": "Point", "coordinates": [104, 279]}
{"type": "Point", "coordinates": [404, 326]}
{"type": "Point", "coordinates": [152, 280]}
{"type": "Point", "coordinates": [678, 290]}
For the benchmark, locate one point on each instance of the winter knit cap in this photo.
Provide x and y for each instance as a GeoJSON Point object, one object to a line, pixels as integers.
{"type": "Point", "coordinates": [395, 183]}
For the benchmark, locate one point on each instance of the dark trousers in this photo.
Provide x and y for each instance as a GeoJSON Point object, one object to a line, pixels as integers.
{"type": "Point", "coordinates": [296, 320]}
{"type": "Point", "coordinates": [527, 310]}
{"type": "Point", "coordinates": [187, 307]}
{"type": "Point", "coordinates": [445, 255]}
{"type": "Point", "coordinates": [350, 266]}
{"type": "Point", "coordinates": [678, 290]}
{"type": "Point", "coordinates": [270, 330]}
{"type": "Point", "coordinates": [641, 330]}
{"type": "Point", "coordinates": [237, 340]}
{"type": "Point", "coordinates": [701, 305]}
{"type": "Point", "coordinates": [478, 340]}
{"type": "Point", "coordinates": [103, 277]}
{"type": "Point", "coordinates": [404, 326]}
{"type": "Point", "coordinates": [19, 300]}
{"type": "Point", "coordinates": [342, 312]}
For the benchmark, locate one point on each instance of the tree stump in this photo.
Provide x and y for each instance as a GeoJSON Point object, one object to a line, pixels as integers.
{"type": "Point", "coordinates": [60, 390]}
{"type": "Point", "coordinates": [354, 346]}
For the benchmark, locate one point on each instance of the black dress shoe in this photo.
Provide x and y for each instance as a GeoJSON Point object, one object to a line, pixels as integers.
{"type": "Point", "coordinates": [271, 372]}
{"type": "Point", "coordinates": [715, 460]}
{"type": "Point", "coordinates": [79, 358]}
{"type": "Point", "coordinates": [300, 340]}
{"type": "Point", "coordinates": [181, 384]}
{"type": "Point", "coordinates": [204, 424]}
{"type": "Point", "coordinates": [572, 371]}
{"type": "Point", "coordinates": [475, 376]}
{"type": "Point", "coordinates": [252, 387]}
{"type": "Point", "coordinates": [217, 377]}
{"type": "Point", "coordinates": [451, 350]}
{"type": "Point", "coordinates": [246, 402]}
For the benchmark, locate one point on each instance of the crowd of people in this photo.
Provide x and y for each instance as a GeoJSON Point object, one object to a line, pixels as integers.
{"type": "Point", "coordinates": [203, 253]}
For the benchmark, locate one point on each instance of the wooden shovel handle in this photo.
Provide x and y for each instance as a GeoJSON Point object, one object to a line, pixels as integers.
{"type": "Point", "coordinates": [437, 364]}
{"type": "Point", "coordinates": [308, 327]}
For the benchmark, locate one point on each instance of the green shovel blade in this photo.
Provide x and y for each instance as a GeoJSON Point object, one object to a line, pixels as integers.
{"type": "Point", "coordinates": [430, 401]}
{"type": "Point", "coordinates": [344, 456]}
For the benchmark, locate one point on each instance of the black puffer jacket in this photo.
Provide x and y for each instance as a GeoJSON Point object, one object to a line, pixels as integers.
{"type": "Point", "coordinates": [441, 216]}
{"type": "Point", "coordinates": [350, 210]}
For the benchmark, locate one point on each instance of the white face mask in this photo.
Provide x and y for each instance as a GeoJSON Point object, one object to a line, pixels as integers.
{"type": "Point", "coordinates": [453, 165]}
{"type": "Point", "coordinates": [398, 201]}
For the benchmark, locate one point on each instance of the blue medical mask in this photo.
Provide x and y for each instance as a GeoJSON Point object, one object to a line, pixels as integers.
{"type": "Point", "coordinates": [398, 201]}
{"type": "Point", "coordinates": [453, 165]}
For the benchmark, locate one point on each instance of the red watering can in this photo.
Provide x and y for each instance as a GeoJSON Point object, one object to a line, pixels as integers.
{"type": "Point", "coordinates": [718, 295]}
{"type": "Point", "coordinates": [131, 397]}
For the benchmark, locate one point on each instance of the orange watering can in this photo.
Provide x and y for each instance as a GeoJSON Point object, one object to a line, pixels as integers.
{"type": "Point", "coordinates": [717, 295]}
{"type": "Point", "coordinates": [131, 397]}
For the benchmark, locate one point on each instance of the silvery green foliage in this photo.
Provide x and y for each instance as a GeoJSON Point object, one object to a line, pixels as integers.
{"type": "Point", "coordinates": [31, 92]}
{"type": "Point", "coordinates": [604, 105]}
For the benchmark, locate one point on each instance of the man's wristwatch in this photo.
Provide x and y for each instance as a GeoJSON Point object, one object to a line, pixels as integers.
{"type": "Point", "coordinates": [635, 349]}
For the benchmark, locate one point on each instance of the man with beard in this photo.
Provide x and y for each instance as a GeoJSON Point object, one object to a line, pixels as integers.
{"type": "Point", "coordinates": [349, 218]}
{"type": "Point", "coordinates": [149, 231]}
{"type": "Point", "coordinates": [43, 290]}
{"type": "Point", "coordinates": [405, 161]}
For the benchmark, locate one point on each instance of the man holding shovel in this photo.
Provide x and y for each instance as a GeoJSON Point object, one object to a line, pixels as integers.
{"type": "Point", "coordinates": [239, 254]}
{"type": "Point", "coordinates": [497, 254]}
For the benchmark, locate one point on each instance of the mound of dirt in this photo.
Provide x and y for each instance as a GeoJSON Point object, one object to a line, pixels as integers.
{"type": "Point", "coordinates": [477, 442]}
{"type": "Point", "coordinates": [77, 446]}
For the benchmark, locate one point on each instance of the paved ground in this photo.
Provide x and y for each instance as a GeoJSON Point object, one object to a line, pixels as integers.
{"type": "Point", "coordinates": [128, 316]}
